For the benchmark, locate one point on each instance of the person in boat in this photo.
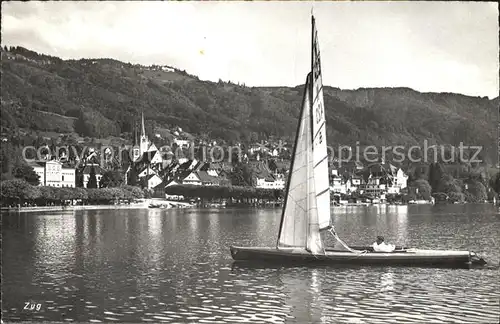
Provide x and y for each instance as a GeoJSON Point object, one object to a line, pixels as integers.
{"type": "Point", "coordinates": [380, 245]}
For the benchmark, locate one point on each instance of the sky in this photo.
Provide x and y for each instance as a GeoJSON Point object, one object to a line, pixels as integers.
{"type": "Point", "coordinates": [426, 46]}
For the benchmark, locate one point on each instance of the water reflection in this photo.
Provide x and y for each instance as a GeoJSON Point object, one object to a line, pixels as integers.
{"type": "Point", "coordinates": [193, 225]}
{"type": "Point", "coordinates": [386, 288]}
{"type": "Point", "coordinates": [155, 230]}
{"type": "Point", "coordinates": [54, 239]}
{"type": "Point", "coordinates": [386, 282]}
{"type": "Point", "coordinates": [317, 303]}
{"type": "Point", "coordinates": [402, 225]}
{"type": "Point", "coordinates": [174, 265]}
{"type": "Point", "coordinates": [298, 294]}
{"type": "Point", "coordinates": [213, 240]}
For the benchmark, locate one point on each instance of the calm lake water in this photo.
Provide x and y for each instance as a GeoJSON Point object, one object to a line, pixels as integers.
{"type": "Point", "coordinates": [175, 266]}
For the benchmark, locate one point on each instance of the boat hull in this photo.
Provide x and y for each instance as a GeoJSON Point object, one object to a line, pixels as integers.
{"type": "Point", "coordinates": [402, 257]}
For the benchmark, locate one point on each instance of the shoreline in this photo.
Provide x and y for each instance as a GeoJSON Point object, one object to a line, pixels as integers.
{"type": "Point", "coordinates": [68, 208]}
{"type": "Point", "coordinates": [171, 205]}
{"type": "Point", "coordinates": [143, 205]}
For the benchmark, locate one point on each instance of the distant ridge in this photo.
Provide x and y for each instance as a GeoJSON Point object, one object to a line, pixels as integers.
{"type": "Point", "coordinates": [106, 96]}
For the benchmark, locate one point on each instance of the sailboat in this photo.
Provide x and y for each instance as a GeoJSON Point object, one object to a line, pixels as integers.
{"type": "Point", "coordinates": [306, 218]}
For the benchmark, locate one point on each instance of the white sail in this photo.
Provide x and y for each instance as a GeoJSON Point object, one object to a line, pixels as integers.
{"type": "Point", "coordinates": [307, 200]}
{"type": "Point", "coordinates": [320, 152]}
{"type": "Point", "coordinates": [299, 222]}
{"type": "Point", "coordinates": [314, 243]}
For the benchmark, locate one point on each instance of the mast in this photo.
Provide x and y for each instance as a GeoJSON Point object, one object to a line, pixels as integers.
{"type": "Point", "coordinates": [307, 201]}
{"type": "Point", "coordinates": [318, 128]}
{"type": "Point", "coordinates": [313, 29]}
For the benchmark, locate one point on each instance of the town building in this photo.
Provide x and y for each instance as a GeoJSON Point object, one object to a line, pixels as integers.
{"type": "Point", "coordinates": [146, 172]}
{"type": "Point", "coordinates": [87, 171]}
{"type": "Point", "coordinates": [382, 178]}
{"type": "Point", "coordinates": [54, 174]}
{"type": "Point", "coordinates": [151, 181]}
{"type": "Point", "coordinates": [353, 183]}
{"type": "Point", "coordinates": [372, 186]}
{"type": "Point", "coordinates": [337, 183]}
{"type": "Point", "coordinates": [267, 177]}
{"type": "Point", "coordinates": [68, 177]}
{"type": "Point", "coordinates": [400, 181]}
{"type": "Point", "coordinates": [183, 143]}
{"type": "Point", "coordinates": [201, 178]}
{"type": "Point", "coordinates": [270, 181]}
{"type": "Point", "coordinates": [173, 183]}
{"type": "Point", "coordinates": [160, 190]}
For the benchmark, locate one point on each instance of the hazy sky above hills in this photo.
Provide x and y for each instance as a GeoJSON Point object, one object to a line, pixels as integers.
{"type": "Point", "coordinates": [427, 46]}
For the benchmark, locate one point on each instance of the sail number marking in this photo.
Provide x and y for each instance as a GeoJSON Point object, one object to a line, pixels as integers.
{"type": "Point", "coordinates": [319, 113]}
{"type": "Point", "coordinates": [317, 69]}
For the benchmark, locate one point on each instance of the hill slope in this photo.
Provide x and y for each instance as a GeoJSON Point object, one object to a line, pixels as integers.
{"type": "Point", "coordinates": [103, 97]}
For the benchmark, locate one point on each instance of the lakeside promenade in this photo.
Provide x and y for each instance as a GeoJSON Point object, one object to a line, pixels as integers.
{"type": "Point", "coordinates": [141, 205]}
{"type": "Point", "coordinates": [168, 204]}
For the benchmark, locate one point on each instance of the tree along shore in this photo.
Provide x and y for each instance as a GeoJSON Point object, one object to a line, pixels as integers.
{"type": "Point", "coordinates": [18, 192]}
{"type": "Point", "coordinates": [231, 194]}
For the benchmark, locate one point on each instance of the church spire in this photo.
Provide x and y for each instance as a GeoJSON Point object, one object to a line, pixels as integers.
{"type": "Point", "coordinates": [135, 142]}
{"type": "Point", "coordinates": [144, 142]}
{"type": "Point", "coordinates": [143, 129]}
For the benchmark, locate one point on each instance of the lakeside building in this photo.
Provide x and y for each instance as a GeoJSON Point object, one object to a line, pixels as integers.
{"type": "Point", "coordinates": [373, 186]}
{"type": "Point", "coordinates": [201, 178]}
{"type": "Point", "coordinates": [194, 172]}
{"type": "Point", "coordinates": [54, 174]}
{"type": "Point", "coordinates": [271, 181]}
{"type": "Point", "coordinates": [337, 183]}
{"type": "Point", "coordinates": [377, 179]}
{"type": "Point", "coordinates": [353, 183]}
{"type": "Point", "coordinates": [151, 181]}
{"type": "Point", "coordinates": [87, 171]}
{"type": "Point", "coordinates": [267, 175]}
{"type": "Point", "coordinates": [400, 182]}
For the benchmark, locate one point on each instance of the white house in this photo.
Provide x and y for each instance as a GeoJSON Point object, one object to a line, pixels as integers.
{"type": "Point", "coordinates": [193, 179]}
{"type": "Point", "coordinates": [270, 182]}
{"type": "Point", "coordinates": [39, 168]}
{"type": "Point", "coordinates": [212, 173]}
{"type": "Point", "coordinates": [182, 142]}
{"type": "Point", "coordinates": [199, 178]}
{"type": "Point", "coordinates": [68, 178]}
{"type": "Point", "coordinates": [53, 174]}
{"type": "Point", "coordinates": [337, 184]}
{"type": "Point", "coordinates": [399, 181]}
{"type": "Point", "coordinates": [353, 183]}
